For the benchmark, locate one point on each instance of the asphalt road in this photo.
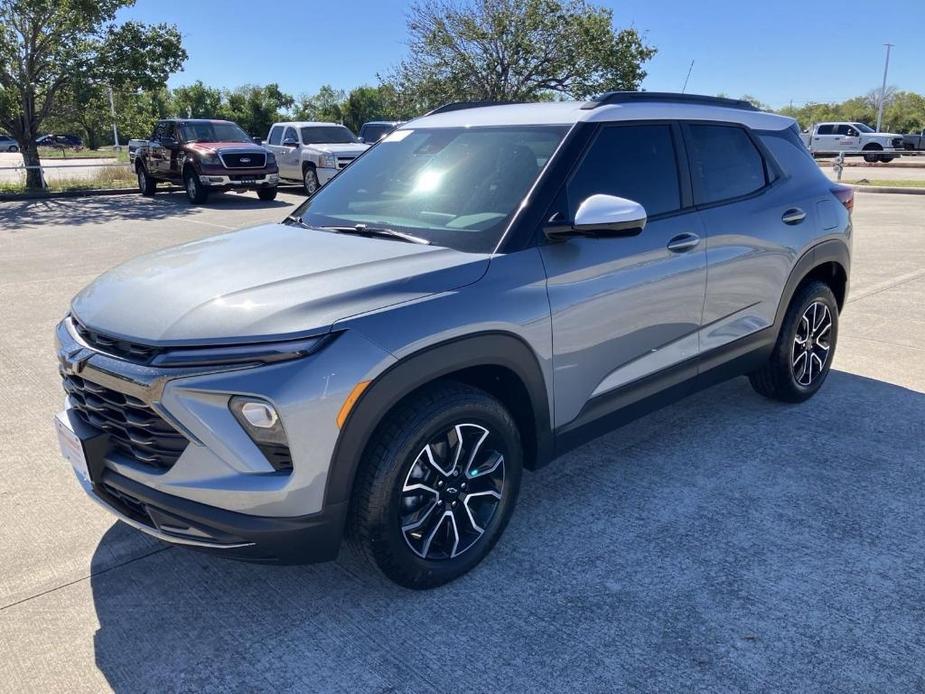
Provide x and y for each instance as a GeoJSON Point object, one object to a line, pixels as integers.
{"type": "Point", "coordinates": [725, 543]}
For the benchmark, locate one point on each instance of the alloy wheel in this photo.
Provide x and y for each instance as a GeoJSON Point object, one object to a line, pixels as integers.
{"type": "Point", "coordinates": [452, 491]}
{"type": "Point", "coordinates": [812, 343]}
{"type": "Point", "coordinates": [191, 190]}
{"type": "Point", "coordinates": [142, 183]}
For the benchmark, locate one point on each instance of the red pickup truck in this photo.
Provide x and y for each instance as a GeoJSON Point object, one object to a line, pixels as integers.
{"type": "Point", "coordinates": [205, 156]}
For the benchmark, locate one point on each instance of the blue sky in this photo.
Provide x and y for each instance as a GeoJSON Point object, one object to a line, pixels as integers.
{"type": "Point", "coordinates": [799, 51]}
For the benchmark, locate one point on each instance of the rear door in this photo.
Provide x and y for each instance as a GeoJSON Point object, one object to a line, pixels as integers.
{"type": "Point", "coordinates": [274, 142]}
{"type": "Point", "coordinates": [624, 308]}
{"type": "Point", "coordinates": [754, 222]}
{"type": "Point", "coordinates": [825, 139]}
{"type": "Point", "coordinates": [158, 162]}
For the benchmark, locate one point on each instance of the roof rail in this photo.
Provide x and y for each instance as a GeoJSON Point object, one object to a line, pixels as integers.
{"type": "Point", "coordinates": [635, 97]}
{"type": "Point", "coordinates": [462, 105]}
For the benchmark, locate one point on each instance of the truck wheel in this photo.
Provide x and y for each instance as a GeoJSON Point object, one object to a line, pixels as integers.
{"type": "Point", "coordinates": [886, 158]}
{"type": "Point", "coordinates": [805, 347]}
{"type": "Point", "coordinates": [146, 184]}
{"type": "Point", "coordinates": [437, 485]}
{"type": "Point", "coordinates": [195, 191]}
{"type": "Point", "coordinates": [266, 193]}
{"type": "Point", "coordinates": [310, 181]}
{"type": "Point", "coordinates": [14, 148]}
{"type": "Point", "coordinates": [870, 153]}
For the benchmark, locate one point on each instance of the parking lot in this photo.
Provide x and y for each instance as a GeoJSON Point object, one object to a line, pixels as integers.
{"type": "Point", "coordinates": [725, 543]}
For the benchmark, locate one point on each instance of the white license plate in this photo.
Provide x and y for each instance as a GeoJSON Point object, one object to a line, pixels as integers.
{"type": "Point", "coordinates": [248, 181]}
{"type": "Point", "coordinates": [71, 447]}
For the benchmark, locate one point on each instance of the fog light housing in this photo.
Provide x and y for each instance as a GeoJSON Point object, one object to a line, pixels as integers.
{"type": "Point", "coordinates": [262, 423]}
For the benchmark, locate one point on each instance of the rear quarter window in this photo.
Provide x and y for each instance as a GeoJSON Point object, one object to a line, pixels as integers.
{"type": "Point", "coordinates": [725, 163]}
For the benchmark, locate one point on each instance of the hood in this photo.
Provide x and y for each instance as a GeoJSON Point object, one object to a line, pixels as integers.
{"type": "Point", "coordinates": [265, 282]}
{"type": "Point", "coordinates": [219, 146]}
{"type": "Point", "coordinates": [345, 149]}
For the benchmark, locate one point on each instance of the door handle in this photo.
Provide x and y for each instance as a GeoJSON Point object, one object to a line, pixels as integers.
{"type": "Point", "coordinates": [683, 242]}
{"type": "Point", "coordinates": [793, 216]}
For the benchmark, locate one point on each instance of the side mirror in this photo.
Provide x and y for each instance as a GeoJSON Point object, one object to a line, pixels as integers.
{"type": "Point", "coordinates": [603, 215]}
{"type": "Point", "coordinates": [290, 143]}
{"type": "Point", "coordinates": [361, 139]}
{"type": "Point", "coordinates": [257, 140]}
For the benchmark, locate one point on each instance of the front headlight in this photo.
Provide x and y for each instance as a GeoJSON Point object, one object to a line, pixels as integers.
{"type": "Point", "coordinates": [271, 158]}
{"type": "Point", "coordinates": [260, 353]}
{"type": "Point", "coordinates": [210, 159]}
{"type": "Point", "coordinates": [328, 160]}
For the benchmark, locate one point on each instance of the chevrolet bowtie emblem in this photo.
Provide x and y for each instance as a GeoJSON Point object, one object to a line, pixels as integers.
{"type": "Point", "coordinates": [74, 361]}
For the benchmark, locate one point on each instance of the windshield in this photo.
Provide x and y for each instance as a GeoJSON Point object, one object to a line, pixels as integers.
{"type": "Point", "coordinates": [373, 133]}
{"type": "Point", "coordinates": [211, 132]}
{"type": "Point", "coordinates": [327, 135]}
{"type": "Point", "coordinates": [864, 128]}
{"type": "Point", "coordinates": [455, 187]}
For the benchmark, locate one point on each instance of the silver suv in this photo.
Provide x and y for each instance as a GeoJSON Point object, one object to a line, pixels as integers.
{"type": "Point", "coordinates": [480, 292]}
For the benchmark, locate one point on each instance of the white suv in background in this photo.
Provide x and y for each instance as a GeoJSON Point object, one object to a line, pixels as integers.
{"type": "Point", "coordinates": [312, 152]}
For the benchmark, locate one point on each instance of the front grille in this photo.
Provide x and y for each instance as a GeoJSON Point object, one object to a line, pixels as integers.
{"type": "Point", "coordinates": [134, 429]}
{"type": "Point", "coordinates": [130, 351]}
{"type": "Point", "coordinates": [343, 161]}
{"type": "Point", "coordinates": [244, 160]}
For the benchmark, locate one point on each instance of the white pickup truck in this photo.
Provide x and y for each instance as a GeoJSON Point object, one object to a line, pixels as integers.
{"type": "Point", "coordinates": [310, 152]}
{"type": "Point", "coordinates": [836, 137]}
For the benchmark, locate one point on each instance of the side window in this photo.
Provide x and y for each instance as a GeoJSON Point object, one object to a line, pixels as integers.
{"type": "Point", "coordinates": [291, 134]}
{"type": "Point", "coordinates": [825, 129]}
{"type": "Point", "coordinates": [276, 133]}
{"type": "Point", "coordinates": [725, 163]}
{"type": "Point", "coordinates": [636, 162]}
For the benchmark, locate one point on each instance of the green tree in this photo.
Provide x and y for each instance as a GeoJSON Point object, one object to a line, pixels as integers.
{"type": "Point", "coordinates": [255, 108]}
{"type": "Point", "coordinates": [46, 46]}
{"type": "Point", "coordinates": [196, 101]}
{"type": "Point", "coordinates": [516, 50]}
{"type": "Point", "coordinates": [371, 103]}
{"type": "Point", "coordinates": [905, 113]}
{"type": "Point", "coordinates": [326, 106]}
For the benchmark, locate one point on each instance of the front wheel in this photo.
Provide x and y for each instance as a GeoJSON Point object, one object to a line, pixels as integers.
{"type": "Point", "coordinates": [805, 347]}
{"type": "Point", "coordinates": [871, 153]}
{"type": "Point", "coordinates": [310, 181]}
{"type": "Point", "coordinates": [195, 191]}
{"type": "Point", "coordinates": [13, 148]}
{"type": "Point", "coordinates": [437, 485]}
{"type": "Point", "coordinates": [266, 193]}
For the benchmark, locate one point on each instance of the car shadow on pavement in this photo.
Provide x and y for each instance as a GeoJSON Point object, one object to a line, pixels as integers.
{"type": "Point", "coordinates": [726, 542]}
{"type": "Point", "coordinates": [23, 215]}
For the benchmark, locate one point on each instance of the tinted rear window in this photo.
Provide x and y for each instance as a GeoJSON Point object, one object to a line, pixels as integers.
{"type": "Point", "coordinates": [825, 130]}
{"type": "Point", "coordinates": [725, 163]}
{"type": "Point", "coordinates": [636, 162]}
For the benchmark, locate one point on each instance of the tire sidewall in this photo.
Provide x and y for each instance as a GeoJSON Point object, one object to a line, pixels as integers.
{"type": "Point", "coordinates": [310, 173]}
{"type": "Point", "coordinates": [388, 542]}
{"type": "Point", "coordinates": [198, 196]}
{"type": "Point", "coordinates": [815, 292]}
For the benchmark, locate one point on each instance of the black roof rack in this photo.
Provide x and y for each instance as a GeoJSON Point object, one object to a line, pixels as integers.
{"type": "Point", "coordinates": [636, 97]}
{"type": "Point", "coordinates": [462, 105]}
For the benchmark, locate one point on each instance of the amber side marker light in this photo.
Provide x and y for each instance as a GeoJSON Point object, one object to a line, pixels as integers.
{"type": "Point", "coordinates": [350, 402]}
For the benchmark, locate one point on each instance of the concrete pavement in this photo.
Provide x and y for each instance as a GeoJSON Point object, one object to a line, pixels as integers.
{"type": "Point", "coordinates": [725, 543]}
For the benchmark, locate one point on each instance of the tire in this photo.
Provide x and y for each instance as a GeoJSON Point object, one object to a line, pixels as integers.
{"type": "Point", "coordinates": [871, 155]}
{"type": "Point", "coordinates": [310, 181]}
{"type": "Point", "coordinates": [195, 191]}
{"type": "Point", "coordinates": [13, 148]}
{"type": "Point", "coordinates": [267, 193]}
{"type": "Point", "coordinates": [412, 471]}
{"type": "Point", "coordinates": [146, 185]}
{"type": "Point", "coordinates": [886, 158]}
{"type": "Point", "coordinates": [798, 367]}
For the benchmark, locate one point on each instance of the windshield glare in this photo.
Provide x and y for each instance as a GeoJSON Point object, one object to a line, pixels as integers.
{"type": "Point", "coordinates": [455, 187]}
{"type": "Point", "coordinates": [327, 135]}
{"type": "Point", "coordinates": [212, 132]}
{"type": "Point", "coordinates": [863, 128]}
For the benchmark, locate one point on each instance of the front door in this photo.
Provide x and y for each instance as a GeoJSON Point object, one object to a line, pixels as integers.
{"type": "Point", "coordinates": [290, 157]}
{"type": "Point", "coordinates": [624, 308]}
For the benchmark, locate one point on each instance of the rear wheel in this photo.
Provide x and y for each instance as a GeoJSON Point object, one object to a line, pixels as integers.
{"type": "Point", "coordinates": [195, 191]}
{"type": "Point", "coordinates": [805, 347]}
{"type": "Point", "coordinates": [886, 158]}
{"type": "Point", "coordinates": [14, 148]}
{"type": "Point", "coordinates": [437, 486]}
{"type": "Point", "coordinates": [266, 193]}
{"type": "Point", "coordinates": [146, 184]}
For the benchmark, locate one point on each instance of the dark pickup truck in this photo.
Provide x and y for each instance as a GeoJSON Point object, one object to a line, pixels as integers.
{"type": "Point", "coordinates": [205, 156]}
{"type": "Point", "coordinates": [913, 142]}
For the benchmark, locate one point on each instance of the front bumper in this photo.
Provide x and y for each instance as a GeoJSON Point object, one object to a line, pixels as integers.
{"type": "Point", "coordinates": [221, 493]}
{"type": "Point", "coordinates": [325, 174]}
{"type": "Point", "coordinates": [239, 181]}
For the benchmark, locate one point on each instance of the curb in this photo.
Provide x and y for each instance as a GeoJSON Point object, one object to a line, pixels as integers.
{"type": "Point", "coordinates": [9, 197]}
{"type": "Point", "coordinates": [901, 190]}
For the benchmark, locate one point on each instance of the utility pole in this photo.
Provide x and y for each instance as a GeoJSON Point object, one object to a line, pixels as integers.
{"type": "Point", "coordinates": [882, 98]}
{"type": "Point", "coordinates": [689, 70]}
{"type": "Point", "coordinates": [115, 131]}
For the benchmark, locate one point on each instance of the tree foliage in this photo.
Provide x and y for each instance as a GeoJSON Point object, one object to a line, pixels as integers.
{"type": "Point", "coordinates": [903, 111]}
{"type": "Point", "coordinates": [516, 50]}
{"type": "Point", "coordinates": [49, 48]}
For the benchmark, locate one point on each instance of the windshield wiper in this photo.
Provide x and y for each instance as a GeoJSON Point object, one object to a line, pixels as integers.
{"type": "Point", "coordinates": [365, 230]}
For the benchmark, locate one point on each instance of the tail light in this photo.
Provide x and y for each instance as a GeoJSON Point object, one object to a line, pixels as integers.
{"type": "Point", "coordinates": [845, 196]}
